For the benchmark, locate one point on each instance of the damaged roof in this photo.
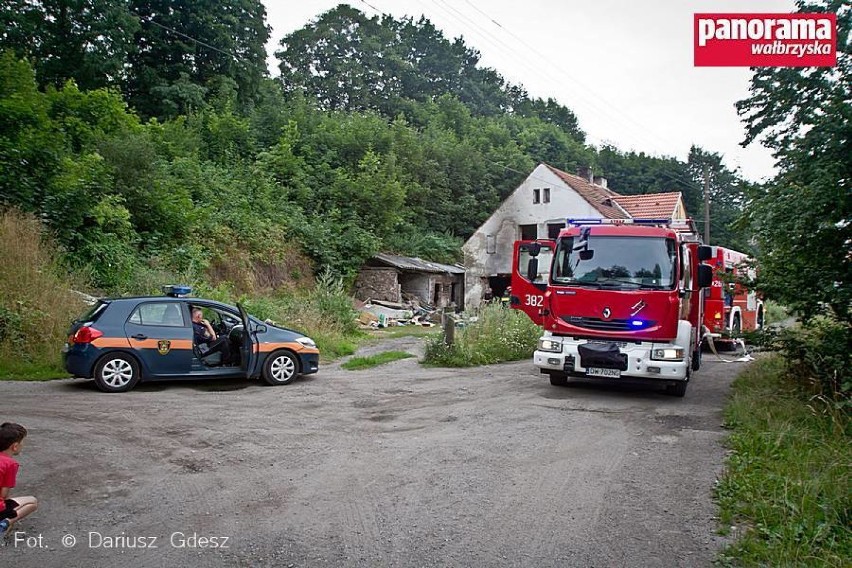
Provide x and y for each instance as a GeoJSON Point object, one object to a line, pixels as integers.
{"type": "Point", "coordinates": [417, 264]}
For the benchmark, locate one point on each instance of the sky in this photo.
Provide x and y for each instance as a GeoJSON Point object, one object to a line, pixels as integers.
{"type": "Point", "coordinates": [624, 67]}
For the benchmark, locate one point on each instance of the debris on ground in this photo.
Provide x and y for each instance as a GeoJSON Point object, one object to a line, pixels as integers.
{"type": "Point", "coordinates": [381, 314]}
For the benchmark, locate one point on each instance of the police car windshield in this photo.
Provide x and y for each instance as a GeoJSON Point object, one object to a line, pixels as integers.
{"type": "Point", "coordinates": [619, 262]}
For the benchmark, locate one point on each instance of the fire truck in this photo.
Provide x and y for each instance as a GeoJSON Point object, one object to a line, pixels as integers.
{"type": "Point", "coordinates": [618, 299]}
{"type": "Point", "coordinates": [729, 307]}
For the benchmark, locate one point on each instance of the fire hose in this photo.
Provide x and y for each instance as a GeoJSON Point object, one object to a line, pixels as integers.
{"type": "Point", "coordinates": [746, 357]}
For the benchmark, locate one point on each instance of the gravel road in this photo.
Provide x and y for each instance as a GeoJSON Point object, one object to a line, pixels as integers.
{"type": "Point", "coordinates": [399, 465]}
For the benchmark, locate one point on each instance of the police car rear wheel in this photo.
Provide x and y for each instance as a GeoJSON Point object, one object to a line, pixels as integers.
{"type": "Point", "coordinates": [117, 372]}
{"type": "Point", "coordinates": [280, 368]}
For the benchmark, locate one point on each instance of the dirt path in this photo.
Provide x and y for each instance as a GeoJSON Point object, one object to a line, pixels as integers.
{"type": "Point", "coordinates": [395, 466]}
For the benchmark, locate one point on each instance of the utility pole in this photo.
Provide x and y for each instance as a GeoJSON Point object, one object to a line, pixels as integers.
{"type": "Point", "coordinates": [706, 204]}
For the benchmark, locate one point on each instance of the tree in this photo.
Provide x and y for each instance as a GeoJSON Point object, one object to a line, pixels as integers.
{"type": "Point", "coordinates": [727, 196]}
{"type": "Point", "coordinates": [83, 40]}
{"type": "Point", "coordinates": [552, 112]}
{"type": "Point", "coordinates": [184, 48]}
{"type": "Point", "coordinates": [29, 150]}
{"type": "Point", "coordinates": [802, 218]}
{"type": "Point", "coordinates": [348, 61]}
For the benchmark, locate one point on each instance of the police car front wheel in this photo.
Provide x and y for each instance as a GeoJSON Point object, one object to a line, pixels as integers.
{"type": "Point", "coordinates": [281, 368]}
{"type": "Point", "coordinates": [117, 372]}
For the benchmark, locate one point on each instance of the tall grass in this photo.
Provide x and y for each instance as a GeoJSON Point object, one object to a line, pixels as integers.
{"type": "Point", "coordinates": [37, 303]}
{"type": "Point", "coordinates": [787, 482]}
{"type": "Point", "coordinates": [499, 334]}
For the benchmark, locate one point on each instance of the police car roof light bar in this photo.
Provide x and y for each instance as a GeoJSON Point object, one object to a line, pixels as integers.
{"type": "Point", "coordinates": [177, 290]}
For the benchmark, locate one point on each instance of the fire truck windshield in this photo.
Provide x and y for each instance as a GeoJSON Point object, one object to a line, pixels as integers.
{"type": "Point", "coordinates": [620, 262]}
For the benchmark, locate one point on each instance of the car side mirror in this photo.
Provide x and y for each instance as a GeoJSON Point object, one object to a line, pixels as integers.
{"type": "Point", "coordinates": [534, 249]}
{"type": "Point", "coordinates": [261, 329]}
{"type": "Point", "coordinates": [704, 253]}
{"type": "Point", "coordinates": [705, 276]}
{"type": "Point", "coordinates": [586, 254]}
{"type": "Point", "coordinates": [532, 269]}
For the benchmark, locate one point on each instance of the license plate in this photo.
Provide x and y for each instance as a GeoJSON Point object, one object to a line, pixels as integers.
{"type": "Point", "coordinates": [606, 373]}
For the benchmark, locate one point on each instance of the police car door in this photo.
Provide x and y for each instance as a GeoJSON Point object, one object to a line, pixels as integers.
{"type": "Point", "coordinates": [160, 335]}
{"type": "Point", "coordinates": [249, 348]}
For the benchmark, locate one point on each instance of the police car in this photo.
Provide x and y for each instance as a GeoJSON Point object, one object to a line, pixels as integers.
{"type": "Point", "coordinates": [122, 341]}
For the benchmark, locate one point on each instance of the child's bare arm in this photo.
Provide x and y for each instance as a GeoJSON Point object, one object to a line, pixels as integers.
{"type": "Point", "coordinates": [4, 492]}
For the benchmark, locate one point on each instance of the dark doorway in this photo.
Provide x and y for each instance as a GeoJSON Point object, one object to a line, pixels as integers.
{"type": "Point", "coordinates": [499, 284]}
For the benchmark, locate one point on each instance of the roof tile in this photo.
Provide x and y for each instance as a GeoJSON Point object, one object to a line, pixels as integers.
{"type": "Point", "coordinates": [599, 197]}
{"type": "Point", "coordinates": [650, 205]}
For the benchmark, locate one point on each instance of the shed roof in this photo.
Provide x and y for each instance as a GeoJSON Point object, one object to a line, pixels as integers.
{"type": "Point", "coordinates": [416, 264]}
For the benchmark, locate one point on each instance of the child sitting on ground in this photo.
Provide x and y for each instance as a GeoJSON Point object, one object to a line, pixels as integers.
{"type": "Point", "coordinates": [12, 510]}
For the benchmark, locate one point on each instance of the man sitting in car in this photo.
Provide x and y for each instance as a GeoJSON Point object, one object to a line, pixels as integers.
{"type": "Point", "coordinates": [205, 337]}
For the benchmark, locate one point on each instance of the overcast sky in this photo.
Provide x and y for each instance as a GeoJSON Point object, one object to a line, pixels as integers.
{"type": "Point", "coordinates": [625, 67]}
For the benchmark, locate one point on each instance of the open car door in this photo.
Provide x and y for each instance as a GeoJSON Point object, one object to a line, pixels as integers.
{"type": "Point", "coordinates": [530, 273]}
{"type": "Point", "coordinates": [248, 352]}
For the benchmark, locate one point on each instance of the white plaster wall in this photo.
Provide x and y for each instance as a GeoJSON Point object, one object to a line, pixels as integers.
{"type": "Point", "coordinates": [518, 209]}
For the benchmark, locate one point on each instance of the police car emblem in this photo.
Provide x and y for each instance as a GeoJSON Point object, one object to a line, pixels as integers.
{"type": "Point", "coordinates": [606, 313]}
{"type": "Point", "coordinates": [163, 346]}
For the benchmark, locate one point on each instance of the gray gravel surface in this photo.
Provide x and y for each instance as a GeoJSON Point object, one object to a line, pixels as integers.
{"type": "Point", "coordinates": [399, 465]}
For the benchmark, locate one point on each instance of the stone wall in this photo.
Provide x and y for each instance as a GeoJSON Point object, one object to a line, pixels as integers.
{"type": "Point", "coordinates": [374, 283]}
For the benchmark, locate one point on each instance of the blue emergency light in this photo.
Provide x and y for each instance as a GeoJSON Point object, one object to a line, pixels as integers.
{"type": "Point", "coordinates": [599, 221]}
{"type": "Point", "coordinates": [177, 290]}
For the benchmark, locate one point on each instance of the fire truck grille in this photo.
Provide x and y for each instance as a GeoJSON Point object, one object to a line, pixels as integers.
{"type": "Point", "coordinates": [606, 325]}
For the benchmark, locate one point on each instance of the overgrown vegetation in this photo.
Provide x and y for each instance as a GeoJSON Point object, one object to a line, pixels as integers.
{"type": "Point", "coordinates": [787, 487]}
{"type": "Point", "coordinates": [498, 334]}
{"type": "Point", "coordinates": [142, 163]}
{"type": "Point", "coordinates": [36, 301]}
{"type": "Point", "coordinates": [359, 363]}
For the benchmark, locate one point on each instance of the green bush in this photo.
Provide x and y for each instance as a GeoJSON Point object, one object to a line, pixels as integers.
{"type": "Point", "coordinates": [818, 354]}
{"type": "Point", "coordinates": [774, 312]}
{"type": "Point", "coordinates": [498, 334]}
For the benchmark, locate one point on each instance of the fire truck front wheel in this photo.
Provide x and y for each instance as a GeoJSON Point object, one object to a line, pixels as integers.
{"type": "Point", "coordinates": [677, 389]}
{"type": "Point", "coordinates": [558, 379]}
{"type": "Point", "coordinates": [696, 358]}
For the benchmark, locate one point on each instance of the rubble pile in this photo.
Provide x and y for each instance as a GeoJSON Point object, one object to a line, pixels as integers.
{"type": "Point", "coordinates": [381, 314]}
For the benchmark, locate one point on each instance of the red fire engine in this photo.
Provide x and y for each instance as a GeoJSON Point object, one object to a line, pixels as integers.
{"type": "Point", "coordinates": [729, 307]}
{"type": "Point", "coordinates": [618, 299]}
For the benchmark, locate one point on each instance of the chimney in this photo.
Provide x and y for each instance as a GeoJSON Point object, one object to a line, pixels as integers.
{"type": "Point", "coordinates": [600, 180]}
{"type": "Point", "coordinates": [585, 172]}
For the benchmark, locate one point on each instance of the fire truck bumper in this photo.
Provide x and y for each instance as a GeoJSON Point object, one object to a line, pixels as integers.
{"type": "Point", "coordinates": [611, 360]}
